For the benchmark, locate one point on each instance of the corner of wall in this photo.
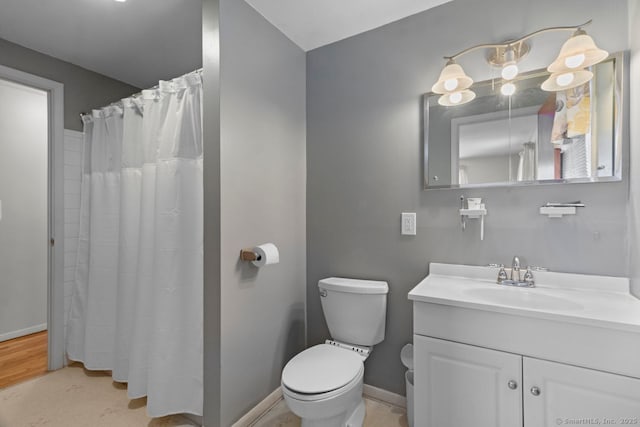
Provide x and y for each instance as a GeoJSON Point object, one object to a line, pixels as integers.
{"type": "Point", "coordinates": [634, 107]}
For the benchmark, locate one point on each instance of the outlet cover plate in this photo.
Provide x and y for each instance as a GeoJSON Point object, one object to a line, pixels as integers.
{"type": "Point", "coordinates": [408, 223]}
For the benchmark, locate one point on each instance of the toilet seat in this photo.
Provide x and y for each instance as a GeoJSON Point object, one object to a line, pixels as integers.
{"type": "Point", "coordinates": [320, 370]}
{"type": "Point", "coordinates": [326, 395]}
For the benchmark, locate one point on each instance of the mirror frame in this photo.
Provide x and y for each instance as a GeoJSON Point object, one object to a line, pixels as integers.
{"type": "Point", "coordinates": [620, 120]}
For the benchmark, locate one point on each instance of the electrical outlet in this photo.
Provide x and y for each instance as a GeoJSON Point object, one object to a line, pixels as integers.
{"type": "Point", "coordinates": [409, 223]}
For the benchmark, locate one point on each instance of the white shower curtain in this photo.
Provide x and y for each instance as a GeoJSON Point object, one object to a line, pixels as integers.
{"type": "Point", "coordinates": [136, 307]}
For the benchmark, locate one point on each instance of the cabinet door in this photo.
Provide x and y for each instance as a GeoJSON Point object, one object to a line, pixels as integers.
{"type": "Point", "coordinates": [460, 385]}
{"type": "Point", "coordinates": [556, 394]}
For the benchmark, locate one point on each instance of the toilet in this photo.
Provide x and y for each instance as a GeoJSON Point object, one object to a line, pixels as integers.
{"type": "Point", "coordinates": [323, 384]}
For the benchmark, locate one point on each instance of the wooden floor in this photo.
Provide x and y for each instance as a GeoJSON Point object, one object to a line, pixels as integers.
{"type": "Point", "coordinates": [23, 358]}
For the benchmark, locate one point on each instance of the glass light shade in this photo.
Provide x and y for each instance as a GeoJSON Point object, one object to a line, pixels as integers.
{"type": "Point", "coordinates": [457, 98]}
{"type": "Point", "coordinates": [509, 71]}
{"type": "Point", "coordinates": [575, 61]}
{"type": "Point", "coordinates": [452, 76]}
{"type": "Point", "coordinates": [508, 89]}
{"type": "Point", "coordinates": [571, 54]}
{"type": "Point", "coordinates": [566, 80]}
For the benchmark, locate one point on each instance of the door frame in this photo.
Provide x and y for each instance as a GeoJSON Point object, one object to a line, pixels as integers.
{"type": "Point", "coordinates": [55, 204]}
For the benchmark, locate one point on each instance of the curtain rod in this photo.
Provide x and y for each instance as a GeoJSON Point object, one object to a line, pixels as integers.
{"type": "Point", "coordinates": [137, 94]}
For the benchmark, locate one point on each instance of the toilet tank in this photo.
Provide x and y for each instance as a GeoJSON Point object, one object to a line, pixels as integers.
{"type": "Point", "coordinates": [355, 310]}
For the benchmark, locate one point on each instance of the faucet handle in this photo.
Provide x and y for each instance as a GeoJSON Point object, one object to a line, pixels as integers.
{"type": "Point", "coordinates": [528, 277]}
{"type": "Point", "coordinates": [502, 274]}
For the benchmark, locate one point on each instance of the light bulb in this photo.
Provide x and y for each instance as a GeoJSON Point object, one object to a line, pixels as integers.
{"type": "Point", "coordinates": [451, 84]}
{"type": "Point", "coordinates": [565, 79]}
{"type": "Point", "coordinates": [574, 61]}
{"type": "Point", "coordinates": [455, 97]}
{"type": "Point", "coordinates": [509, 71]}
{"type": "Point", "coordinates": [508, 89]}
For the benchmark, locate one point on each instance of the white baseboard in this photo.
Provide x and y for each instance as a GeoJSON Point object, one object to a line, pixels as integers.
{"type": "Point", "coordinates": [385, 396]}
{"type": "Point", "coordinates": [260, 409]}
{"type": "Point", "coordinates": [22, 332]}
{"type": "Point", "coordinates": [195, 418]}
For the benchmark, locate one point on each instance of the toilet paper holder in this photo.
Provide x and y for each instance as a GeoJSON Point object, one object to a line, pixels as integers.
{"type": "Point", "coordinates": [249, 255]}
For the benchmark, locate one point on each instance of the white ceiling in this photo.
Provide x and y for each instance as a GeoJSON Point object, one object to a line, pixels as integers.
{"type": "Point", "coordinates": [142, 41]}
{"type": "Point", "coordinates": [138, 42]}
{"type": "Point", "coordinates": [314, 23]}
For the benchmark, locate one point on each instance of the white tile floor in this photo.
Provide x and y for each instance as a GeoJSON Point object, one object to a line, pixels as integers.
{"type": "Point", "coordinates": [379, 414]}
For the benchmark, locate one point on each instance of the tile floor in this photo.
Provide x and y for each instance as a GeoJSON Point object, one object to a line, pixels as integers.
{"type": "Point", "coordinates": [379, 414]}
{"type": "Point", "coordinates": [74, 397]}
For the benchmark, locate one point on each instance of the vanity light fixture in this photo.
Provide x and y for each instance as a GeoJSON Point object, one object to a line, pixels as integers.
{"type": "Point", "coordinates": [457, 98]}
{"type": "Point", "coordinates": [567, 70]}
{"type": "Point", "coordinates": [510, 67]}
{"type": "Point", "coordinates": [452, 79]}
{"type": "Point", "coordinates": [564, 80]}
{"type": "Point", "coordinates": [508, 89]}
{"type": "Point", "coordinates": [580, 51]}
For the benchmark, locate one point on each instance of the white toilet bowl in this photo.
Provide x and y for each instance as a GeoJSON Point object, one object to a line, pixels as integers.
{"type": "Point", "coordinates": [323, 386]}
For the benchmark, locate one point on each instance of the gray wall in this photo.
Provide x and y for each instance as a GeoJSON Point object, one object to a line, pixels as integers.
{"type": "Point", "coordinates": [211, 148]}
{"type": "Point", "coordinates": [24, 134]}
{"type": "Point", "coordinates": [634, 205]}
{"type": "Point", "coordinates": [263, 175]}
{"type": "Point", "coordinates": [83, 89]}
{"type": "Point", "coordinates": [364, 153]}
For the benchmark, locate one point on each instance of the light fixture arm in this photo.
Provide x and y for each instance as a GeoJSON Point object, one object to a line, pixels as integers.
{"type": "Point", "coordinates": [515, 42]}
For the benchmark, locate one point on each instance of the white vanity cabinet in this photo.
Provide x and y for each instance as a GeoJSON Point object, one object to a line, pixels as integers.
{"type": "Point", "coordinates": [464, 385]}
{"type": "Point", "coordinates": [564, 353]}
{"type": "Point", "coordinates": [559, 394]}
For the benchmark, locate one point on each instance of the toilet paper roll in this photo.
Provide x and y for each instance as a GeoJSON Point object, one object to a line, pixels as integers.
{"type": "Point", "coordinates": [267, 254]}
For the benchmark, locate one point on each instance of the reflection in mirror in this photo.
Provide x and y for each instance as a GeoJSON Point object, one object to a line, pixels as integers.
{"type": "Point", "coordinates": [530, 136]}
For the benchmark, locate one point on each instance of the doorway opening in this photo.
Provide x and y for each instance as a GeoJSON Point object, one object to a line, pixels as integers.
{"type": "Point", "coordinates": [31, 216]}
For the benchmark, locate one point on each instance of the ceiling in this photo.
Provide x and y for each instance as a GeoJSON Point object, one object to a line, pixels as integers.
{"type": "Point", "coordinates": [314, 23]}
{"type": "Point", "coordinates": [138, 42]}
{"type": "Point", "coordinates": [142, 41]}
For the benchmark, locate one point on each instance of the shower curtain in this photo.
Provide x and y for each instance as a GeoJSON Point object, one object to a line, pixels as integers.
{"type": "Point", "coordinates": [136, 307]}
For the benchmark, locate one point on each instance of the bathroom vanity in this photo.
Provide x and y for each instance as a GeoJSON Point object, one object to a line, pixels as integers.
{"type": "Point", "coordinates": [566, 352]}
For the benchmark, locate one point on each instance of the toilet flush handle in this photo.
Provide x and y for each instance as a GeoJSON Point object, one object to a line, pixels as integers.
{"type": "Point", "coordinates": [323, 293]}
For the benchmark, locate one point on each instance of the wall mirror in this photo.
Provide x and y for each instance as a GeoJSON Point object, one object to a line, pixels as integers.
{"type": "Point", "coordinates": [531, 136]}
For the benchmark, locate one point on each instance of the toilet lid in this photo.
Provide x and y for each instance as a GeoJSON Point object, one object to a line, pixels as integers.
{"type": "Point", "coordinates": [320, 369]}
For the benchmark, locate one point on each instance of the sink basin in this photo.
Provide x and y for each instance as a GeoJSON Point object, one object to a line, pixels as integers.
{"type": "Point", "coordinates": [522, 298]}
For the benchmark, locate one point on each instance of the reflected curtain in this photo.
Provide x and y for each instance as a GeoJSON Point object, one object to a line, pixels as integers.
{"type": "Point", "coordinates": [136, 307]}
{"type": "Point", "coordinates": [527, 162]}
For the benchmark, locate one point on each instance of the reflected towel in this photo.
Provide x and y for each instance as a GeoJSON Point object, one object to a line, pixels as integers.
{"type": "Point", "coordinates": [573, 114]}
{"type": "Point", "coordinates": [579, 111]}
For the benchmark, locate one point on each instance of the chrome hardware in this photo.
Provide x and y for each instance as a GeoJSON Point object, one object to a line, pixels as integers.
{"type": "Point", "coordinates": [502, 274]}
{"type": "Point", "coordinates": [515, 268]}
{"type": "Point", "coordinates": [362, 351]}
{"type": "Point", "coordinates": [512, 384]}
{"type": "Point", "coordinates": [528, 278]}
{"type": "Point", "coordinates": [323, 293]}
{"type": "Point", "coordinates": [517, 284]}
{"type": "Point", "coordinates": [535, 391]}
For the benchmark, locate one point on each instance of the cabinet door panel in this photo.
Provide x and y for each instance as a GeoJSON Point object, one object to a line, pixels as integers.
{"type": "Point", "coordinates": [569, 395]}
{"type": "Point", "coordinates": [461, 385]}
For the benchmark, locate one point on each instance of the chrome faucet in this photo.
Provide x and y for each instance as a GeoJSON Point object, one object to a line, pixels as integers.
{"type": "Point", "coordinates": [515, 269]}
{"type": "Point", "coordinates": [515, 278]}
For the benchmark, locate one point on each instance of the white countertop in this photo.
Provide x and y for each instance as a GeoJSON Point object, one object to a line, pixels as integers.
{"type": "Point", "coordinates": [585, 299]}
